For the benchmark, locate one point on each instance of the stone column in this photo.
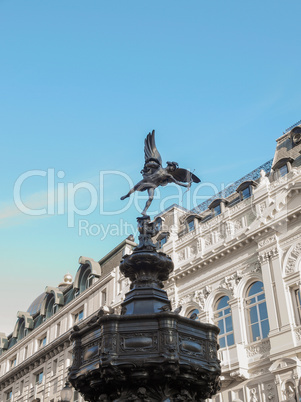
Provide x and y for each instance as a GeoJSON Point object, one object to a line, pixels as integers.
{"type": "Point", "coordinates": [280, 331]}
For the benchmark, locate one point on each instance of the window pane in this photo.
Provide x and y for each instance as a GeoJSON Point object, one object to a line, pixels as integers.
{"type": "Point", "coordinates": [253, 315]}
{"type": "Point", "coordinates": [298, 297]}
{"type": "Point", "coordinates": [223, 302]}
{"type": "Point", "coordinates": [229, 326]}
{"type": "Point", "coordinates": [227, 311]}
{"type": "Point", "coordinates": [195, 311]}
{"type": "Point", "coordinates": [246, 193]}
{"type": "Point", "coordinates": [230, 340]}
{"type": "Point", "coordinates": [222, 342]}
{"type": "Point", "coordinates": [221, 326]}
{"type": "Point", "coordinates": [283, 170]}
{"type": "Point", "coordinates": [261, 297]}
{"type": "Point", "coordinates": [217, 210]}
{"type": "Point", "coordinates": [263, 311]}
{"type": "Point", "coordinates": [265, 328]}
{"type": "Point", "coordinates": [191, 226]}
{"type": "Point", "coordinates": [255, 332]}
{"type": "Point", "coordinates": [257, 287]}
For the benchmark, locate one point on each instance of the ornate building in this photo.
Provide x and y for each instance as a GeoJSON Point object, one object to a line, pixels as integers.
{"type": "Point", "coordinates": [237, 264]}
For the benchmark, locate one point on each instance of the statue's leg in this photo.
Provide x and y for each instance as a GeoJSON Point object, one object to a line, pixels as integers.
{"type": "Point", "coordinates": [132, 190]}
{"type": "Point", "coordinates": [151, 192]}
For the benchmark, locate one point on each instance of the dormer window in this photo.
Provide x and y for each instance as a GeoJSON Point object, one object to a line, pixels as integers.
{"type": "Point", "coordinates": [283, 170]}
{"type": "Point", "coordinates": [245, 189]}
{"type": "Point", "coordinates": [246, 193]}
{"type": "Point", "coordinates": [191, 225]}
{"type": "Point", "coordinates": [218, 206]}
{"type": "Point", "coordinates": [217, 210]}
{"type": "Point", "coordinates": [282, 167]}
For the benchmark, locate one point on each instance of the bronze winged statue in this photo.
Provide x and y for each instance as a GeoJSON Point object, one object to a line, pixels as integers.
{"type": "Point", "coordinates": [154, 175]}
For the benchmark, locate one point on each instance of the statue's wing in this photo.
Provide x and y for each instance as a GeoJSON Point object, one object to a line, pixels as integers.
{"type": "Point", "coordinates": [185, 176]}
{"type": "Point", "coordinates": [150, 149]}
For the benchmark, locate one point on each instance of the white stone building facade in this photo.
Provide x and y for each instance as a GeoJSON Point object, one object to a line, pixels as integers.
{"type": "Point", "coordinates": [237, 264]}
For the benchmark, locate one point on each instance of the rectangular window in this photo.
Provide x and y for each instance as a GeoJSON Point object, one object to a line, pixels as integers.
{"type": "Point", "coordinates": [103, 297]}
{"type": "Point", "coordinates": [78, 316]}
{"type": "Point", "coordinates": [9, 395]}
{"type": "Point", "coordinates": [39, 377]}
{"type": "Point", "coordinates": [13, 362]}
{"type": "Point", "coordinates": [42, 342]}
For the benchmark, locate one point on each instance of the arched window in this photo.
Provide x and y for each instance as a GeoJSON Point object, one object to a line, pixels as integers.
{"type": "Point", "coordinates": [223, 319]}
{"type": "Point", "coordinates": [21, 332]}
{"type": "Point", "coordinates": [257, 312]}
{"type": "Point", "coordinates": [50, 307]}
{"type": "Point", "coordinates": [85, 281]}
{"type": "Point", "coordinates": [193, 314]}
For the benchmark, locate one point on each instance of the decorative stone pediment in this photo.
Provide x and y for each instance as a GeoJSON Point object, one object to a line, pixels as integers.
{"type": "Point", "coordinates": [283, 364]}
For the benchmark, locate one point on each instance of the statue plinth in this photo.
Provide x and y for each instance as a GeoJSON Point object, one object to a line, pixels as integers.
{"type": "Point", "coordinates": [148, 353]}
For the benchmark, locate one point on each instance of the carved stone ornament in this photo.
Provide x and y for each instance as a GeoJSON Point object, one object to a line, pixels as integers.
{"type": "Point", "coordinates": [267, 241]}
{"type": "Point", "coordinates": [230, 282]}
{"type": "Point", "coordinates": [298, 333]}
{"type": "Point", "coordinates": [253, 395]}
{"type": "Point", "coordinates": [292, 259]}
{"type": "Point", "coordinates": [200, 296]}
{"type": "Point", "coordinates": [258, 349]}
{"type": "Point", "coordinates": [270, 253]}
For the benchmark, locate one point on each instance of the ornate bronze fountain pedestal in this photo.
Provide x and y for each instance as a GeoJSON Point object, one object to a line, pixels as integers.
{"type": "Point", "coordinates": [148, 353]}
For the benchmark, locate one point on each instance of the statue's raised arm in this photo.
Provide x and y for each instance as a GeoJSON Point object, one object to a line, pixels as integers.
{"type": "Point", "coordinates": [155, 175]}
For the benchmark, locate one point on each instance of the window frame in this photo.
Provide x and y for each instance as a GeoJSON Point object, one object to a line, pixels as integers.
{"type": "Point", "coordinates": [42, 341]}
{"type": "Point", "coordinates": [284, 162]}
{"type": "Point", "coordinates": [249, 305]}
{"type": "Point", "coordinates": [13, 362]}
{"type": "Point", "coordinates": [224, 315]}
{"type": "Point", "coordinates": [9, 395]}
{"type": "Point", "coordinates": [38, 380]}
{"type": "Point", "coordinates": [296, 304]}
{"type": "Point", "coordinates": [78, 316]}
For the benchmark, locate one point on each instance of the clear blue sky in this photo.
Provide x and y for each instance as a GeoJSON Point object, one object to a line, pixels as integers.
{"type": "Point", "coordinates": [82, 83]}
